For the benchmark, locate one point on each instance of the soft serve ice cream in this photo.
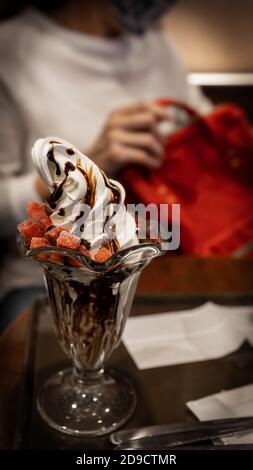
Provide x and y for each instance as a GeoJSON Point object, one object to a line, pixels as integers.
{"type": "Point", "coordinates": [82, 200]}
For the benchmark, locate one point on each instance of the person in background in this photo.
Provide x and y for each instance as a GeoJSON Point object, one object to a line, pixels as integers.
{"type": "Point", "coordinates": [87, 71]}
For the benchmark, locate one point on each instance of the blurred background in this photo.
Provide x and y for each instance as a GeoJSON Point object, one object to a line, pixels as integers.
{"type": "Point", "coordinates": [219, 53]}
{"type": "Point", "coordinates": [220, 32]}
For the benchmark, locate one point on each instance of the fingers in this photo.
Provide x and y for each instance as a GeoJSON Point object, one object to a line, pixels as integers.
{"type": "Point", "coordinates": [141, 106]}
{"type": "Point", "coordinates": [117, 155]}
{"type": "Point", "coordinates": [131, 136]}
{"type": "Point", "coordinates": [138, 117]}
{"type": "Point", "coordinates": [137, 156]}
{"type": "Point", "coordinates": [133, 108]}
{"type": "Point", "coordinates": [160, 112]}
{"type": "Point", "coordinates": [139, 121]}
{"type": "Point", "coordinates": [141, 140]}
{"type": "Point", "coordinates": [122, 154]}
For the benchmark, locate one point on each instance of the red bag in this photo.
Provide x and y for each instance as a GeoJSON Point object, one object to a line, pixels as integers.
{"type": "Point", "coordinates": [208, 170]}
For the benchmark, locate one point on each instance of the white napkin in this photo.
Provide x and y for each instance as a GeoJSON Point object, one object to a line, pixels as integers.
{"type": "Point", "coordinates": [206, 332]}
{"type": "Point", "coordinates": [230, 404]}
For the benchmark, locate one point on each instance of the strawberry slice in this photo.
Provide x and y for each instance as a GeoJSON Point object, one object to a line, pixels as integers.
{"type": "Point", "coordinates": [102, 255]}
{"type": "Point", "coordinates": [35, 210]}
{"type": "Point", "coordinates": [37, 242]}
{"type": "Point", "coordinates": [52, 234]}
{"type": "Point", "coordinates": [31, 228]}
{"type": "Point", "coordinates": [66, 240]}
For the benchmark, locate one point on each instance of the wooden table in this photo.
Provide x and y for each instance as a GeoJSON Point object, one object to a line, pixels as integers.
{"type": "Point", "coordinates": [169, 274]}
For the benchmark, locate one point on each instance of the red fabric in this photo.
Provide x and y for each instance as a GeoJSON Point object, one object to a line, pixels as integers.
{"type": "Point", "coordinates": [208, 169]}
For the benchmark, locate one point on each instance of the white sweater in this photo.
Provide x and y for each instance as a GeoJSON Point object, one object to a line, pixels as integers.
{"type": "Point", "coordinates": [59, 82]}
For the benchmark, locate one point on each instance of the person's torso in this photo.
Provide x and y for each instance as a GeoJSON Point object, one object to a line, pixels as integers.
{"type": "Point", "coordinates": [66, 83]}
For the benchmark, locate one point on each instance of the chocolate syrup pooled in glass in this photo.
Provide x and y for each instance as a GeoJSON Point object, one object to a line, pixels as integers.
{"type": "Point", "coordinates": [90, 311]}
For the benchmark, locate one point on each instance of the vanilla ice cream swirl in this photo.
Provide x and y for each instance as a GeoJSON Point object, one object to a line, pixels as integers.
{"type": "Point", "coordinates": [82, 199]}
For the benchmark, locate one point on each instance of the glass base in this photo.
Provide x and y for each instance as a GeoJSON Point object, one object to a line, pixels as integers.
{"type": "Point", "coordinates": [86, 406]}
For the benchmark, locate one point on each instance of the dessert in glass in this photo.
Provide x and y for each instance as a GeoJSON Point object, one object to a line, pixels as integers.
{"type": "Point", "coordinates": [87, 244]}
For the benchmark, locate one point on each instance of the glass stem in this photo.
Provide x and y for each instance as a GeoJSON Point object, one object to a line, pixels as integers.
{"type": "Point", "coordinates": [88, 377]}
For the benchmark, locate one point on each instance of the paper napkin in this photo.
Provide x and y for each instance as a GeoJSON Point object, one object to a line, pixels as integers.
{"type": "Point", "coordinates": [207, 332]}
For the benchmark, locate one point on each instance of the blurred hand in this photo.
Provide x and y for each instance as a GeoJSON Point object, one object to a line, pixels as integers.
{"type": "Point", "coordinates": [41, 188]}
{"type": "Point", "coordinates": [130, 135]}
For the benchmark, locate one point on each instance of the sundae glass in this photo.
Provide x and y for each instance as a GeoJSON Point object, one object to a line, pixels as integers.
{"type": "Point", "coordinates": [91, 260]}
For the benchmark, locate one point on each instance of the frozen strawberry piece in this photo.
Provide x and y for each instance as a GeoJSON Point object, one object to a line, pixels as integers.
{"type": "Point", "coordinates": [53, 234]}
{"type": "Point", "coordinates": [46, 222]}
{"type": "Point", "coordinates": [35, 210]}
{"type": "Point", "coordinates": [31, 228]}
{"type": "Point", "coordinates": [83, 250]}
{"type": "Point", "coordinates": [66, 240]}
{"type": "Point", "coordinates": [102, 255]}
{"type": "Point", "coordinates": [39, 213]}
{"type": "Point", "coordinates": [37, 242]}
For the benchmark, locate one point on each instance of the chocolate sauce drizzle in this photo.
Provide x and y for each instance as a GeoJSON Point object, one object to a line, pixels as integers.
{"type": "Point", "coordinates": [69, 167]}
{"type": "Point", "coordinates": [89, 198]}
{"type": "Point", "coordinates": [113, 245]}
{"type": "Point", "coordinates": [91, 182]}
{"type": "Point", "coordinates": [70, 152]}
{"type": "Point", "coordinates": [116, 194]}
{"type": "Point", "coordinates": [79, 216]}
{"type": "Point", "coordinates": [61, 212]}
{"type": "Point", "coordinates": [51, 158]}
{"type": "Point", "coordinates": [86, 243]}
{"type": "Point", "coordinates": [58, 189]}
